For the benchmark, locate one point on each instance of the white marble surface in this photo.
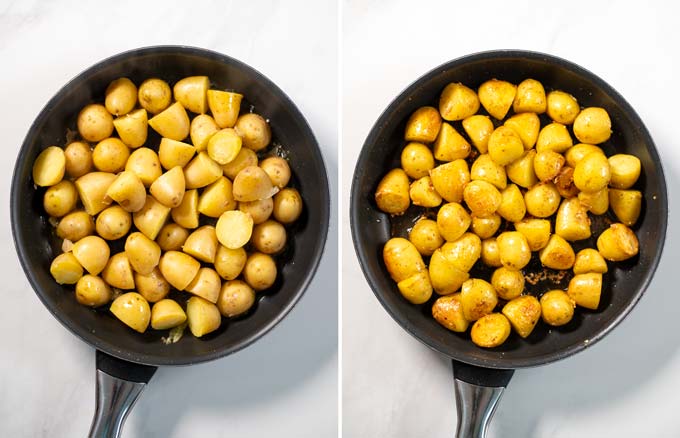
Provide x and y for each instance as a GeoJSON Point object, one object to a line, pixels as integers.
{"type": "Point", "coordinates": [284, 385]}
{"type": "Point", "coordinates": [625, 386]}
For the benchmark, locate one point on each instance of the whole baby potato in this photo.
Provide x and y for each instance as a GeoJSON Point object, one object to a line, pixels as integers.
{"type": "Point", "coordinates": [626, 205]}
{"type": "Point", "coordinates": [618, 243]}
{"type": "Point", "coordinates": [448, 311]}
{"type": "Point", "coordinates": [536, 231]}
{"type": "Point", "coordinates": [593, 126]}
{"type": "Point", "coordinates": [521, 171]}
{"type": "Point", "coordinates": [486, 169]}
{"type": "Point", "coordinates": [172, 237]}
{"type": "Point", "coordinates": [530, 97]}
{"type": "Point", "coordinates": [166, 314]}
{"type": "Point", "coordinates": [154, 95]}
{"type": "Point", "coordinates": [254, 130]}
{"type": "Point", "coordinates": [402, 259]}
{"type": "Point", "coordinates": [269, 237]}
{"type": "Point", "coordinates": [245, 158]}
{"type": "Point", "coordinates": [206, 284]}
{"type": "Point", "coordinates": [261, 210]}
{"type": "Point", "coordinates": [178, 269]}
{"type": "Point", "coordinates": [542, 200]}
{"type": "Point", "coordinates": [78, 159]}
{"type": "Point", "coordinates": [121, 96]}
{"type": "Point", "coordinates": [592, 173]}
{"type": "Point", "coordinates": [236, 298]}
{"type": "Point", "coordinates": [527, 126]}
{"type": "Point", "coordinates": [144, 163]}
{"type": "Point", "coordinates": [191, 92]}
{"type": "Point", "coordinates": [151, 218]}
{"type": "Point", "coordinates": [224, 106]}
{"type": "Point", "coordinates": [202, 244]}
{"type": "Point", "coordinates": [625, 170]}
{"type": "Point", "coordinates": [287, 206]}
{"type": "Point", "coordinates": [425, 236]}
{"type": "Point", "coordinates": [186, 213]}
{"type": "Point", "coordinates": [513, 249]}
{"type": "Point", "coordinates": [557, 308]}
{"type": "Point", "coordinates": [554, 137]}
{"type": "Point", "coordinates": [417, 160]}
{"type": "Point", "coordinates": [92, 291]}
{"type": "Point", "coordinates": [142, 252]}
{"type": "Point", "coordinates": [92, 252]}
{"type": "Point", "coordinates": [589, 260]}
{"type": "Point", "coordinates": [128, 191]}
{"type": "Point", "coordinates": [490, 254]}
{"type": "Point", "coordinates": [482, 198]}
{"type": "Point", "coordinates": [423, 193]}
{"type": "Point", "coordinates": [452, 221]}
{"type": "Point", "coordinates": [496, 97]}
{"type": "Point", "coordinates": [118, 272]}
{"type": "Point", "coordinates": [169, 188]}
{"type": "Point", "coordinates": [278, 170]}
{"type": "Point", "coordinates": [217, 198]}
{"type": "Point", "coordinates": [203, 316]}
{"type": "Point", "coordinates": [172, 122]}
{"type": "Point", "coordinates": [110, 155]}
{"type": "Point", "coordinates": [133, 128]}
{"type": "Point", "coordinates": [230, 262]}
{"type": "Point", "coordinates": [75, 225]}
{"type": "Point", "coordinates": [113, 223]}
{"type": "Point", "coordinates": [523, 313]}
{"type": "Point", "coordinates": [449, 145]}
{"type": "Point", "coordinates": [458, 102]}
{"type": "Point", "coordinates": [416, 289]}
{"type": "Point", "coordinates": [449, 179]}
{"type": "Point", "coordinates": [562, 107]}
{"type": "Point", "coordinates": [95, 123]}
{"type": "Point", "coordinates": [490, 330]}
{"type": "Point", "coordinates": [253, 184]}
{"type": "Point", "coordinates": [485, 227]}
{"type": "Point", "coordinates": [65, 269]}
{"type": "Point", "coordinates": [49, 167]}
{"type": "Point", "coordinates": [505, 146]}
{"type": "Point", "coordinates": [423, 125]}
{"type": "Point", "coordinates": [512, 207]}
{"type": "Point", "coordinates": [478, 128]}
{"type": "Point", "coordinates": [234, 228]}
{"type": "Point", "coordinates": [557, 254]}
{"type": "Point", "coordinates": [508, 283]}
{"type": "Point", "coordinates": [153, 287]}
{"type": "Point", "coordinates": [392, 194]}
{"type": "Point", "coordinates": [60, 199]}
{"type": "Point", "coordinates": [201, 171]}
{"type": "Point", "coordinates": [202, 129]}
{"type": "Point", "coordinates": [259, 271]}
{"type": "Point", "coordinates": [478, 298]}
{"type": "Point", "coordinates": [572, 221]}
{"type": "Point", "coordinates": [133, 310]}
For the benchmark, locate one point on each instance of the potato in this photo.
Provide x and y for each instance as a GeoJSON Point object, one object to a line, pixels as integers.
{"type": "Point", "coordinates": [626, 205]}
{"type": "Point", "coordinates": [536, 231]}
{"type": "Point", "coordinates": [113, 223]}
{"type": "Point", "coordinates": [178, 269]}
{"type": "Point", "coordinates": [224, 106]}
{"type": "Point", "coordinates": [217, 198]}
{"type": "Point", "coordinates": [236, 298]}
{"type": "Point", "coordinates": [144, 163]}
{"type": "Point", "coordinates": [151, 218]}
{"type": "Point", "coordinates": [245, 158]}
{"type": "Point", "coordinates": [425, 236]}
{"type": "Point", "coordinates": [482, 198]}
{"type": "Point", "coordinates": [530, 97]}
{"type": "Point", "coordinates": [521, 171]}
{"type": "Point", "coordinates": [186, 213]}
{"type": "Point", "coordinates": [278, 170]}
{"type": "Point", "coordinates": [508, 283]}
{"type": "Point", "coordinates": [463, 252]}
{"type": "Point", "coordinates": [512, 207]}
{"type": "Point", "coordinates": [133, 310]}
{"type": "Point", "coordinates": [444, 276]}
{"type": "Point", "coordinates": [554, 137]}
{"type": "Point", "coordinates": [417, 160]}
{"type": "Point", "coordinates": [253, 184]}
{"type": "Point", "coordinates": [154, 95]}
{"type": "Point", "coordinates": [490, 255]}
{"type": "Point", "coordinates": [128, 191]}
{"type": "Point", "coordinates": [402, 259]}
{"type": "Point", "coordinates": [513, 249]}
{"type": "Point", "coordinates": [449, 180]}
{"type": "Point", "coordinates": [496, 97]}
{"type": "Point", "coordinates": [486, 169]}
{"type": "Point", "coordinates": [448, 311]}
{"type": "Point", "coordinates": [562, 107]}
{"type": "Point", "coordinates": [490, 330]}
{"type": "Point", "coordinates": [269, 237]}
{"type": "Point", "coordinates": [485, 227]}
{"type": "Point", "coordinates": [557, 254]}
{"type": "Point", "coordinates": [479, 128]}
{"type": "Point", "coordinates": [287, 206]}
{"type": "Point", "coordinates": [92, 252]}
{"type": "Point", "coordinates": [452, 221]}
{"type": "Point", "coordinates": [60, 198]}
{"type": "Point", "coordinates": [589, 260]}
{"type": "Point", "coordinates": [578, 152]}
{"type": "Point", "coordinates": [75, 225]}
{"type": "Point", "coordinates": [110, 155]}
{"type": "Point", "coordinates": [206, 284]}
{"type": "Point", "coordinates": [423, 193]}
{"type": "Point", "coordinates": [133, 128]}
{"type": "Point", "coordinates": [172, 237]}
{"type": "Point", "coordinates": [592, 173]}
{"type": "Point", "coordinates": [172, 153]}
{"type": "Point", "coordinates": [542, 200]}
{"type": "Point", "coordinates": [168, 189]}
{"type": "Point", "coordinates": [595, 202]}
{"type": "Point", "coordinates": [201, 171]}
{"type": "Point", "coordinates": [224, 146]}
{"type": "Point", "coordinates": [142, 252]}
{"type": "Point", "coordinates": [78, 159]}
{"type": "Point", "coordinates": [202, 244]}
{"type": "Point", "coordinates": [234, 228]}
{"type": "Point", "coordinates": [527, 126]}
{"type": "Point", "coordinates": [625, 170]}
{"type": "Point", "coordinates": [259, 271]}
{"type": "Point", "coordinates": [547, 165]}
{"type": "Point", "coordinates": [118, 273]}
{"type": "Point", "coordinates": [572, 221]}
{"type": "Point", "coordinates": [254, 130]}
{"type": "Point", "coordinates": [49, 167]}
{"type": "Point", "coordinates": [564, 183]}
{"type": "Point", "coordinates": [202, 129]}
{"type": "Point", "coordinates": [260, 211]}
{"type": "Point", "coordinates": [586, 289]}
{"type": "Point", "coordinates": [92, 291]}
{"type": "Point", "coordinates": [593, 126]}
{"type": "Point", "coordinates": [230, 262]}
{"type": "Point", "coordinates": [523, 313]}
{"type": "Point", "coordinates": [416, 289]}
{"type": "Point", "coordinates": [166, 314]}
{"type": "Point", "coordinates": [203, 316]}
{"type": "Point", "coordinates": [65, 269]}
{"type": "Point", "coordinates": [153, 287]}
{"type": "Point", "coordinates": [423, 125]}
{"type": "Point", "coordinates": [505, 146]}
{"type": "Point", "coordinates": [172, 123]}
{"type": "Point", "coordinates": [449, 145]}
{"type": "Point", "coordinates": [392, 195]}
{"type": "Point", "coordinates": [457, 102]}
{"type": "Point", "coordinates": [95, 123]}
{"type": "Point", "coordinates": [478, 298]}
{"type": "Point", "coordinates": [120, 97]}
{"type": "Point", "coordinates": [618, 243]}
{"type": "Point", "coordinates": [191, 92]}
{"type": "Point", "coordinates": [557, 308]}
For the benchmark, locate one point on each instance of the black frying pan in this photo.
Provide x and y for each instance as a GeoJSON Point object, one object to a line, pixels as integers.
{"type": "Point", "coordinates": [481, 374]}
{"type": "Point", "coordinates": [126, 360]}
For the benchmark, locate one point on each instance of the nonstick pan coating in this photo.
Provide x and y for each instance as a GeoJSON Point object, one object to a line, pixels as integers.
{"type": "Point", "coordinates": [625, 282]}
{"type": "Point", "coordinates": [37, 246]}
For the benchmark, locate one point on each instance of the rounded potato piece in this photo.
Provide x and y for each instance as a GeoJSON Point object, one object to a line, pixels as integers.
{"type": "Point", "coordinates": [586, 289]}
{"type": "Point", "coordinates": [74, 226]}
{"type": "Point", "coordinates": [92, 252]}
{"type": "Point", "coordinates": [486, 169]}
{"type": "Point", "coordinates": [425, 236]}
{"type": "Point", "coordinates": [206, 284]}
{"type": "Point", "coordinates": [490, 331]}
{"type": "Point", "coordinates": [496, 97]}
{"type": "Point", "coordinates": [542, 200]}
{"type": "Point", "coordinates": [593, 126]}
{"type": "Point", "coordinates": [151, 218]}
{"type": "Point", "coordinates": [423, 125]}
{"type": "Point", "coordinates": [452, 221]}
{"type": "Point", "coordinates": [65, 269]}
{"type": "Point", "coordinates": [554, 137]}
{"type": "Point", "coordinates": [172, 153]}
{"type": "Point", "coordinates": [121, 96]}
{"type": "Point", "coordinates": [458, 102]}
{"type": "Point", "coordinates": [186, 213]}
{"type": "Point", "coordinates": [505, 146]}
{"type": "Point", "coordinates": [60, 199]}
{"type": "Point", "coordinates": [485, 227]}
{"type": "Point", "coordinates": [144, 163]}
{"type": "Point", "coordinates": [254, 130]}
{"type": "Point", "coordinates": [557, 254]}
{"type": "Point", "coordinates": [224, 107]}
{"type": "Point", "coordinates": [133, 128]}
{"type": "Point", "coordinates": [78, 159]}
{"type": "Point", "coordinates": [513, 249]}
{"type": "Point", "coordinates": [557, 308]}
{"type": "Point", "coordinates": [118, 273]}
{"type": "Point", "coordinates": [245, 158]}
{"type": "Point", "coordinates": [592, 173]}
{"type": "Point", "coordinates": [572, 221]}
{"type": "Point", "coordinates": [153, 287]}
{"type": "Point", "coordinates": [423, 193]}
{"type": "Point", "coordinates": [508, 283]}
{"type": "Point", "coordinates": [589, 260]}
{"type": "Point", "coordinates": [579, 151]}
{"type": "Point", "coordinates": [95, 123]}
{"type": "Point", "coordinates": [521, 171]}
{"type": "Point", "coordinates": [128, 191]}
{"type": "Point", "coordinates": [448, 311]}
{"type": "Point", "coordinates": [562, 107]}
{"type": "Point", "coordinates": [173, 122]}
{"type": "Point", "coordinates": [178, 269]}
{"type": "Point", "coordinates": [278, 170]}
{"type": "Point", "coordinates": [478, 298]}
{"type": "Point", "coordinates": [416, 289]}
{"type": "Point", "coordinates": [626, 205]}
{"type": "Point", "coordinates": [113, 223]}
{"type": "Point", "coordinates": [482, 198]}
{"type": "Point", "coordinates": [512, 206]}
{"type": "Point", "coordinates": [564, 182]}
{"type": "Point", "coordinates": [618, 243]}
{"type": "Point", "coordinates": [625, 170]}
{"type": "Point", "coordinates": [260, 271]}
{"type": "Point", "coordinates": [234, 228]}
{"type": "Point", "coordinates": [444, 276]}
{"type": "Point", "coordinates": [547, 165]}
{"type": "Point", "coordinates": [490, 255]}
{"type": "Point", "coordinates": [133, 310]}
{"type": "Point", "coordinates": [202, 244]}
{"type": "Point", "coordinates": [168, 189]}
{"type": "Point", "coordinates": [224, 146]}
{"type": "Point", "coordinates": [217, 198]}
{"type": "Point", "coordinates": [236, 298]}
{"type": "Point", "coordinates": [449, 145]}
{"type": "Point", "coordinates": [154, 95]}
{"type": "Point", "coordinates": [191, 92]}
{"type": "Point", "coordinates": [479, 128]}
{"type": "Point", "coordinates": [449, 180]}
{"type": "Point", "coordinates": [172, 237]}
{"type": "Point", "coordinates": [260, 211]}
{"type": "Point", "coordinates": [464, 252]}
{"type": "Point", "coordinates": [230, 262]}
{"type": "Point", "coordinates": [92, 291]}
{"type": "Point", "coordinates": [523, 313]}
{"type": "Point", "coordinates": [417, 160]}
{"type": "Point", "coordinates": [392, 195]}
{"type": "Point", "coordinates": [530, 97]}
{"type": "Point", "coordinates": [287, 206]}
{"type": "Point", "coordinates": [201, 171]}
{"type": "Point", "coordinates": [253, 184]}
{"type": "Point", "coordinates": [142, 252]}
{"type": "Point", "coordinates": [110, 155]}
{"type": "Point", "coordinates": [49, 167]}
{"type": "Point", "coordinates": [269, 237]}
{"type": "Point", "coordinates": [203, 316]}
{"type": "Point", "coordinates": [166, 314]}
{"type": "Point", "coordinates": [595, 202]}
{"type": "Point", "coordinates": [536, 231]}
{"type": "Point", "coordinates": [402, 259]}
{"type": "Point", "coordinates": [527, 126]}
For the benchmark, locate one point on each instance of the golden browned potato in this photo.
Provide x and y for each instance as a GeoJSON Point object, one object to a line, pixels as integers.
{"type": "Point", "coordinates": [144, 163]}
{"type": "Point", "coordinates": [523, 313]}
{"type": "Point", "coordinates": [513, 249]}
{"type": "Point", "coordinates": [78, 159]}
{"type": "Point", "coordinates": [423, 193]}
{"type": "Point", "coordinates": [153, 287]}
{"type": "Point", "coordinates": [142, 252]}
{"type": "Point", "coordinates": [253, 184]}
{"type": "Point", "coordinates": [490, 255]}
{"type": "Point", "coordinates": [586, 289]}
{"type": "Point", "coordinates": [479, 129]}
{"type": "Point", "coordinates": [217, 198]}
{"type": "Point", "coordinates": [110, 155]}
{"type": "Point", "coordinates": [490, 330]}
{"type": "Point", "coordinates": [168, 189]}
{"type": "Point", "coordinates": [416, 289]}
{"type": "Point", "coordinates": [624, 168]}
{"type": "Point", "coordinates": [202, 171]}
{"type": "Point", "coordinates": [245, 158]}
{"type": "Point", "coordinates": [505, 146]}
{"type": "Point", "coordinates": [236, 298]}
{"type": "Point", "coordinates": [448, 311]}
{"type": "Point", "coordinates": [486, 169]}
{"type": "Point", "coordinates": [49, 167]}
{"type": "Point", "coordinates": [202, 129]}
{"type": "Point", "coordinates": [508, 283]}
{"type": "Point", "coordinates": [402, 259]}
{"type": "Point", "coordinates": [536, 231]}
{"type": "Point", "coordinates": [618, 243]}
{"type": "Point", "coordinates": [224, 146]}
{"type": "Point", "coordinates": [527, 126]}
{"type": "Point", "coordinates": [269, 237]}
{"type": "Point", "coordinates": [521, 171]}
{"type": "Point", "coordinates": [449, 145]}
{"type": "Point", "coordinates": [478, 298]}
{"type": "Point", "coordinates": [133, 310]}
{"type": "Point", "coordinates": [626, 205]}
{"type": "Point", "coordinates": [512, 207]}
{"type": "Point", "coordinates": [542, 200]}
{"type": "Point", "coordinates": [121, 96]}
{"type": "Point", "coordinates": [95, 123]}
{"type": "Point", "coordinates": [578, 152]}
{"type": "Point", "coordinates": [259, 271]}
{"type": "Point", "coordinates": [224, 106]}
{"type": "Point", "coordinates": [186, 213]}
{"type": "Point", "coordinates": [166, 314]}
{"type": "Point", "coordinates": [548, 164]}
{"type": "Point", "coordinates": [172, 153]}
{"type": "Point", "coordinates": [178, 269]}
{"type": "Point", "coordinates": [593, 126]}
{"type": "Point", "coordinates": [60, 198]}
{"type": "Point", "coordinates": [76, 225]}
{"type": "Point", "coordinates": [564, 182]}
{"type": "Point", "coordinates": [530, 97]}
{"type": "Point", "coordinates": [118, 272]}
{"type": "Point", "coordinates": [423, 125]}
{"type": "Point", "coordinates": [496, 97]}
{"type": "Point", "coordinates": [113, 223]}
{"type": "Point", "coordinates": [202, 244]}
{"type": "Point", "coordinates": [417, 160]}
{"type": "Point", "coordinates": [206, 284]}
{"type": "Point", "coordinates": [452, 221]}
{"type": "Point", "coordinates": [554, 137]}
{"type": "Point", "coordinates": [92, 188]}
{"type": "Point", "coordinates": [595, 202]}
{"type": "Point", "coordinates": [572, 221]}
{"type": "Point", "coordinates": [485, 227]}
{"type": "Point", "coordinates": [445, 277]}
{"type": "Point", "coordinates": [203, 316]}
{"type": "Point", "coordinates": [128, 191]}
{"type": "Point", "coordinates": [254, 130]}
{"type": "Point", "coordinates": [172, 123]}
{"type": "Point", "coordinates": [458, 102]}
{"type": "Point", "coordinates": [562, 107]}
{"type": "Point", "coordinates": [133, 128]}
{"type": "Point", "coordinates": [287, 205]}
{"type": "Point", "coordinates": [557, 254]}
{"type": "Point", "coordinates": [191, 92]}
{"type": "Point", "coordinates": [392, 194]}
{"type": "Point", "coordinates": [230, 262]}
{"type": "Point", "coordinates": [65, 269]}
{"type": "Point", "coordinates": [592, 173]}
{"type": "Point", "coordinates": [449, 179]}
{"type": "Point", "coordinates": [172, 237]}
{"type": "Point", "coordinates": [425, 236]}
{"type": "Point", "coordinates": [482, 198]}
{"type": "Point", "coordinates": [278, 170]}
{"type": "Point", "coordinates": [261, 210]}
{"type": "Point", "coordinates": [234, 228]}
{"type": "Point", "coordinates": [92, 252]}
{"type": "Point", "coordinates": [557, 308]}
{"type": "Point", "coordinates": [151, 218]}
{"type": "Point", "coordinates": [154, 95]}
{"type": "Point", "coordinates": [92, 291]}
{"type": "Point", "coordinates": [589, 260]}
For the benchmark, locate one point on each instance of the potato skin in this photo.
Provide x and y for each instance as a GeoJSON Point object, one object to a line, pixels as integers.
{"type": "Point", "coordinates": [452, 221]}
{"type": "Point", "coordinates": [463, 252]}
{"type": "Point", "coordinates": [485, 227]}
{"type": "Point", "coordinates": [113, 223]}
{"type": "Point", "coordinates": [92, 252]}
{"type": "Point", "coordinates": [448, 311]}
{"type": "Point", "coordinates": [572, 221]}
{"type": "Point", "coordinates": [592, 173]}
{"type": "Point", "coordinates": [402, 259]}
{"type": "Point", "coordinates": [253, 184]}
{"type": "Point", "coordinates": [486, 169]}
{"type": "Point", "coordinates": [269, 237]}
{"type": "Point", "coordinates": [206, 284]}
{"type": "Point", "coordinates": [191, 92]}
{"type": "Point", "coordinates": [417, 160]}
{"type": "Point", "coordinates": [490, 330]}
{"type": "Point", "coordinates": [287, 205]}
{"type": "Point", "coordinates": [75, 225]}
{"type": "Point", "coordinates": [95, 123]}
{"type": "Point", "coordinates": [554, 137]}
{"type": "Point", "coordinates": [625, 170]}
{"type": "Point", "coordinates": [530, 97]}
{"type": "Point", "coordinates": [626, 205]}
{"type": "Point", "coordinates": [92, 291]}
{"type": "Point", "coordinates": [277, 169]}
{"type": "Point", "coordinates": [260, 271]}
{"type": "Point", "coordinates": [224, 107]}
{"type": "Point", "coordinates": [60, 199]}
{"type": "Point", "coordinates": [423, 125]}
{"type": "Point", "coordinates": [133, 310]}
{"type": "Point", "coordinates": [479, 128]}
{"type": "Point", "coordinates": [618, 243]}
{"type": "Point", "coordinates": [49, 167]}
{"type": "Point", "coordinates": [416, 289]}
{"type": "Point", "coordinates": [595, 202]}
{"type": "Point", "coordinates": [423, 193]}
{"type": "Point", "coordinates": [154, 95]}
{"type": "Point", "coordinates": [142, 252]}
{"type": "Point", "coordinates": [593, 126]}
{"type": "Point", "coordinates": [512, 207]}
{"type": "Point", "coordinates": [121, 96]}
{"type": "Point", "coordinates": [513, 249]}
{"type": "Point", "coordinates": [445, 277]}
{"type": "Point", "coordinates": [78, 159]}
{"type": "Point", "coordinates": [392, 194]}
{"type": "Point", "coordinates": [425, 236]}
{"type": "Point", "coordinates": [482, 198]}
{"type": "Point", "coordinates": [557, 308]}
{"type": "Point", "coordinates": [562, 107]}
{"type": "Point", "coordinates": [173, 122]}
{"type": "Point", "coordinates": [547, 165]}
{"type": "Point", "coordinates": [542, 200]}
{"type": "Point", "coordinates": [169, 188]}
{"type": "Point", "coordinates": [586, 290]}
{"type": "Point", "coordinates": [579, 151]}
{"type": "Point", "coordinates": [449, 180]}
{"type": "Point", "coordinates": [527, 126]}
{"type": "Point", "coordinates": [496, 97]}
{"type": "Point", "coordinates": [203, 316]}
{"type": "Point", "coordinates": [178, 269]}
{"type": "Point", "coordinates": [509, 283]}
{"type": "Point", "coordinates": [557, 254]}
{"type": "Point", "coordinates": [523, 313]}
{"type": "Point", "coordinates": [236, 298]}
{"type": "Point", "coordinates": [118, 272]}
{"type": "Point", "coordinates": [133, 128]}
{"type": "Point", "coordinates": [65, 269]}
{"type": "Point", "coordinates": [450, 145]}
{"type": "Point", "coordinates": [490, 253]}
{"type": "Point", "coordinates": [458, 102]}
{"type": "Point", "coordinates": [536, 231]}
{"type": "Point", "coordinates": [110, 155]}
{"type": "Point", "coordinates": [172, 237]}
{"type": "Point", "coordinates": [260, 211]}
{"type": "Point", "coordinates": [151, 218]}
{"type": "Point", "coordinates": [166, 314]}
{"type": "Point", "coordinates": [128, 191]}
{"type": "Point", "coordinates": [478, 298]}
{"type": "Point", "coordinates": [144, 163]}
{"type": "Point", "coordinates": [254, 130]}
{"type": "Point", "coordinates": [153, 287]}
{"type": "Point", "coordinates": [505, 146]}
{"type": "Point", "coordinates": [521, 171]}
{"type": "Point", "coordinates": [230, 262]}
{"type": "Point", "coordinates": [589, 260]}
{"type": "Point", "coordinates": [202, 244]}
{"type": "Point", "coordinates": [245, 158]}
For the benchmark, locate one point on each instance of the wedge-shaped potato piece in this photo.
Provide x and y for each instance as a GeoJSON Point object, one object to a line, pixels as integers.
{"type": "Point", "coordinates": [153, 287]}
{"type": "Point", "coordinates": [172, 153]}
{"type": "Point", "coordinates": [595, 202]}
{"type": "Point", "coordinates": [521, 171]}
{"type": "Point", "coordinates": [508, 283]}
{"type": "Point", "coordinates": [217, 198]}
{"type": "Point", "coordinates": [186, 213]}
{"type": "Point", "coordinates": [65, 269]}
{"type": "Point", "coordinates": [253, 184]}
{"type": "Point", "coordinates": [523, 313]}
{"type": "Point", "coordinates": [224, 146]}
{"type": "Point", "coordinates": [527, 126]}
{"type": "Point", "coordinates": [118, 272]}
{"type": "Point", "coordinates": [201, 171]}
{"type": "Point", "coordinates": [486, 169]}
{"type": "Point", "coordinates": [92, 188]}
{"type": "Point", "coordinates": [496, 97]}
{"type": "Point", "coordinates": [625, 170]}
{"type": "Point", "coordinates": [142, 252]}
{"type": "Point", "coordinates": [416, 289]}
{"type": "Point", "coordinates": [128, 191]}
{"type": "Point", "coordinates": [204, 317]}
{"type": "Point", "coordinates": [572, 221]}
{"type": "Point", "coordinates": [202, 244]}
{"type": "Point", "coordinates": [485, 227]}
{"type": "Point", "coordinates": [133, 128]}
{"type": "Point", "coordinates": [618, 243]}
{"type": "Point", "coordinates": [557, 308]}
{"type": "Point", "coordinates": [191, 92]}
{"type": "Point", "coordinates": [224, 106]}
{"type": "Point", "coordinates": [450, 145]}
{"type": "Point", "coordinates": [554, 137]}
{"type": "Point", "coordinates": [530, 97]}
{"type": "Point", "coordinates": [557, 254]}
{"type": "Point", "coordinates": [479, 128]}
{"type": "Point", "coordinates": [423, 125]}
{"type": "Point", "coordinates": [133, 310]}
{"type": "Point", "coordinates": [206, 284]}
{"type": "Point", "coordinates": [203, 127]}
{"type": "Point", "coordinates": [151, 218]}
{"type": "Point", "coordinates": [166, 314]}
{"type": "Point", "coordinates": [49, 167]}
{"type": "Point", "coordinates": [505, 146]}
{"type": "Point", "coordinates": [490, 254]}
{"type": "Point", "coordinates": [172, 123]}
{"type": "Point", "coordinates": [92, 252]}
{"type": "Point", "coordinates": [444, 276]}
{"type": "Point", "coordinates": [448, 311]}
{"type": "Point", "coordinates": [449, 180]}
{"type": "Point", "coordinates": [234, 229]}
{"type": "Point", "coordinates": [564, 182]}
{"type": "Point", "coordinates": [230, 262]}
{"type": "Point", "coordinates": [482, 198]}
{"type": "Point", "coordinates": [169, 188]}
{"type": "Point", "coordinates": [178, 269]}
{"type": "Point", "coordinates": [245, 158]}
{"type": "Point", "coordinates": [626, 205]}
{"type": "Point", "coordinates": [586, 290]}
{"type": "Point", "coordinates": [478, 298]}
{"type": "Point", "coordinates": [458, 102]}
{"type": "Point", "coordinates": [463, 252]}
{"type": "Point", "coordinates": [512, 207]}
{"type": "Point", "coordinates": [423, 193]}
{"type": "Point", "coordinates": [144, 163]}
{"type": "Point", "coordinates": [537, 232]}
{"type": "Point", "coordinates": [589, 260]}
